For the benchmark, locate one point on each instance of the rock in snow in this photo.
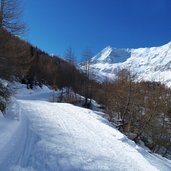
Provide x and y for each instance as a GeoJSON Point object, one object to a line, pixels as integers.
{"type": "Point", "coordinates": [62, 137]}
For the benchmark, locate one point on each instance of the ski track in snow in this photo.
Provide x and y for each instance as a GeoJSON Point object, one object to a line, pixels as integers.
{"type": "Point", "coordinates": [62, 137]}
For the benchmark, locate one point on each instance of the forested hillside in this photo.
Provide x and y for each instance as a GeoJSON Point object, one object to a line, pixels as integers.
{"type": "Point", "coordinates": [21, 60]}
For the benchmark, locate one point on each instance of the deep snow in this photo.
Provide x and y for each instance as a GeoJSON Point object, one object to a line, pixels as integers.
{"type": "Point", "coordinates": [57, 136]}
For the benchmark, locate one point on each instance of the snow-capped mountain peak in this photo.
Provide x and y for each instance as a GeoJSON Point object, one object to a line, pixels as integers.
{"type": "Point", "coordinates": [111, 55]}
{"type": "Point", "coordinates": [152, 64]}
{"type": "Point", "coordinates": [105, 53]}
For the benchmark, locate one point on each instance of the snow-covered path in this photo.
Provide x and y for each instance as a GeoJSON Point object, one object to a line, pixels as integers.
{"type": "Point", "coordinates": [63, 137]}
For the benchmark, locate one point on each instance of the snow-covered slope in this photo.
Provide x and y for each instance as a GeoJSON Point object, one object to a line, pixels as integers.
{"type": "Point", "coordinates": [109, 55]}
{"type": "Point", "coordinates": [62, 137]}
{"type": "Point", "coordinates": [152, 64]}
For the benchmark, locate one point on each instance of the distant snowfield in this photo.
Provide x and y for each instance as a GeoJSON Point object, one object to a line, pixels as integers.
{"type": "Point", "coordinates": [62, 137]}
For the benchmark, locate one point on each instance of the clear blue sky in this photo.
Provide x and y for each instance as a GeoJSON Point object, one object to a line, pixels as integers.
{"type": "Point", "coordinates": [55, 25]}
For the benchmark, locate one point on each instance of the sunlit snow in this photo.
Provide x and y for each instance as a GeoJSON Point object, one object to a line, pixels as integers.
{"type": "Point", "coordinates": [50, 136]}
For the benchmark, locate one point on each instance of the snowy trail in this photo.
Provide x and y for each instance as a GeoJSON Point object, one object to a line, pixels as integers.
{"type": "Point", "coordinates": [62, 137]}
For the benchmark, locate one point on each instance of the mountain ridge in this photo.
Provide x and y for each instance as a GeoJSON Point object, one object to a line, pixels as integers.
{"type": "Point", "coordinates": [149, 64]}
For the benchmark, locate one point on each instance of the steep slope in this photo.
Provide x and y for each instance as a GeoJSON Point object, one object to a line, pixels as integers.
{"type": "Point", "coordinates": [58, 136]}
{"type": "Point", "coordinates": [152, 64]}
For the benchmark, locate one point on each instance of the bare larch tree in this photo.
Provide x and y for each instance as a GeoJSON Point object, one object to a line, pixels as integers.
{"type": "Point", "coordinates": [10, 16]}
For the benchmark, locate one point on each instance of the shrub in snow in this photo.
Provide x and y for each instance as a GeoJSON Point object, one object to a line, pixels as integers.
{"type": "Point", "coordinates": [4, 95]}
